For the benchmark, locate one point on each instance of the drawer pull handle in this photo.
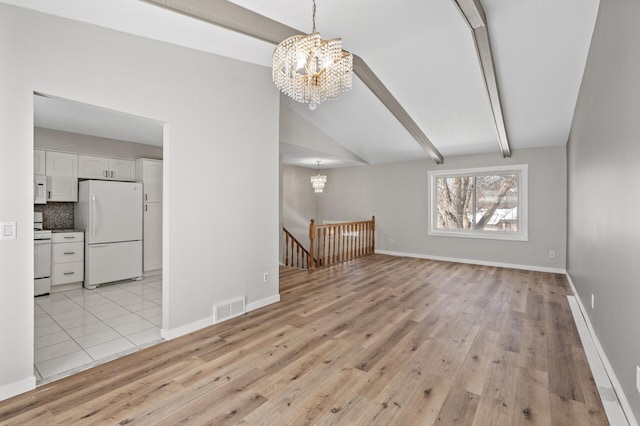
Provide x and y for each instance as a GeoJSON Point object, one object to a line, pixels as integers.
{"type": "Point", "coordinates": [69, 252]}
{"type": "Point", "coordinates": [69, 238]}
{"type": "Point", "coordinates": [69, 273]}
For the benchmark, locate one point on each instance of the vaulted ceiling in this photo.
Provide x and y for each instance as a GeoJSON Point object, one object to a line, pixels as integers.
{"type": "Point", "coordinates": [421, 51]}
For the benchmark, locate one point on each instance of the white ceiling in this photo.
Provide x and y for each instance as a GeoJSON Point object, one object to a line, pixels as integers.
{"type": "Point", "coordinates": [69, 116]}
{"type": "Point", "coordinates": [421, 50]}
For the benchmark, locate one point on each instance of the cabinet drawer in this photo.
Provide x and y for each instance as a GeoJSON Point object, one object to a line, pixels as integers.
{"type": "Point", "coordinates": [65, 273]}
{"type": "Point", "coordinates": [67, 237]}
{"type": "Point", "coordinates": [67, 252]}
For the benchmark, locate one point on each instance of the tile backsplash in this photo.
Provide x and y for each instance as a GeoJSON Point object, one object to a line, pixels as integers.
{"type": "Point", "coordinates": [56, 215]}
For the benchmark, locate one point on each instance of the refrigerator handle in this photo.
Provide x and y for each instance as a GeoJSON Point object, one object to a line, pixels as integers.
{"type": "Point", "coordinates": [93, 216]}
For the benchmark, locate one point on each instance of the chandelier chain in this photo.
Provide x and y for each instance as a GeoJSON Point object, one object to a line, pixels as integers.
{"type": "Point", "coordinates": [314, 17]}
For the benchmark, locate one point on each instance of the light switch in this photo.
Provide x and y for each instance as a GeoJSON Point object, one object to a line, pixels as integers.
{"type": "Point", "coordinates": [7, 230]}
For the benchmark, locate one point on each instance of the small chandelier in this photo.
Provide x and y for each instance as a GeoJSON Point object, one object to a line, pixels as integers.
{"type": "Point", "coordinates": [318, 180]}
{"type": "Point", "coordinates": [311, 70]}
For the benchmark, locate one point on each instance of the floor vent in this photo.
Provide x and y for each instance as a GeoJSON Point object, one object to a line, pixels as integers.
{"type": "Point", "coordinates": [229, 309]}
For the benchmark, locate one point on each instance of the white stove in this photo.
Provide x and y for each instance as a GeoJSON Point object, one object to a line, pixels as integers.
{"type": "Point", "coordinates": [39, 234]}
{"type": "Point", "coordinates": [41, 257]}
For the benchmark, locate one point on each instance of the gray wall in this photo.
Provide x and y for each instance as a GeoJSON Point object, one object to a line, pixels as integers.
{"type": "Point", "coordinates": [299, 202]}
{"type": "Point", "coordinates": [397, 194]}
{"type": "Point", "coordinates": [296, 130]}
{"type": "Point", "coordinates": [604, 199]}
{"type": "Point", "coordinates": [57, 140]}
{"type": "Point", "coordinates": [220, 165]}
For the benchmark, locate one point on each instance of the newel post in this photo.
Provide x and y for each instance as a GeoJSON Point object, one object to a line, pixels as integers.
{"type": "Point", "coordinates": [373, 234]}
{"type": "Point", "coordinates": [312, 235]}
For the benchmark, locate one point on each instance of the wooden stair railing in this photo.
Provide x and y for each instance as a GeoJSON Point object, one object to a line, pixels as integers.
{"type": "Point", "coordinates": [339, 242]}
{"type": "Point", "coordinates": [294, 253]}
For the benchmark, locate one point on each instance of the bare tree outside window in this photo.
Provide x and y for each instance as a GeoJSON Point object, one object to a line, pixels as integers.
{"type": "Point", "coordinates": [455, 195]}
{"type": "Point", "coordinates": [481, 202]}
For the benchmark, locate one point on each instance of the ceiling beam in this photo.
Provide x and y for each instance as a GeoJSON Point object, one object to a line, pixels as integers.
{"type": "Point", "coordinates": [229, 15]}
{"type": "Point", "coordinates": [474, 16]}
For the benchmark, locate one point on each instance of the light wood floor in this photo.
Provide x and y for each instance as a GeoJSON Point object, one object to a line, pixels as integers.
{"type": "Point", "coordinates": [380, 340]}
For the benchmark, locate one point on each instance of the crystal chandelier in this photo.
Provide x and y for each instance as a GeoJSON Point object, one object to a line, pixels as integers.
{"type": "Point", "coordinates": [318, 180]}
{"type": "Point", "coordinates": [310, 69]}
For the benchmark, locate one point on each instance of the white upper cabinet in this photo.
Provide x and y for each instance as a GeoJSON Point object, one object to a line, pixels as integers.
{"type": "Point", "coordinates": [62, 176]}
{"type": "Point", "coordinates": [149, 172]}
{"type": "Point", "coordinates": [39, 162]}
{"type": "Point", "coordinates": [91, 167]}
{"type": "Point", "coordinates": [122, 169]}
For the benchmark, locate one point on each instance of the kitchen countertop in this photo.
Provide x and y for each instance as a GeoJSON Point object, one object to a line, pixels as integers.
{"type": "Point", "coordinates": [56, 231]}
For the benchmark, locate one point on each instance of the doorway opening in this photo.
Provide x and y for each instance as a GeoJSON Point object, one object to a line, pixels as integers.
{"type": "Point", "coordinates": [90, 313]}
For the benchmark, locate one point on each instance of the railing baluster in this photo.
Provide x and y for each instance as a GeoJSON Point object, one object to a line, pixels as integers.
{"type": "Point", "coordinates": [324, 246]}
{"type": "Point", "coordinates": [329, 253]}
{"type": "Point", "coordinates": [286, 250]}
{"type": "Point", "coordinates": [347, 234]}
{"type": "Point", "coordinates": [333, 244]}
{"type": "Point", "coordinates": [292, 252]}
{"type": "Point", "coordinates": [347, 241]}
{"type": "Point", "coordinates": [340, 242]}
{"type": "Point", "coordinates": [351, 239]}
{"type": "Point", "coordinates": [365, 238]}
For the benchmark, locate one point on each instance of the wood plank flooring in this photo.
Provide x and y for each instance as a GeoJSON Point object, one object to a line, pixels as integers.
{"type": "Point", "coordinates": [379, 340]}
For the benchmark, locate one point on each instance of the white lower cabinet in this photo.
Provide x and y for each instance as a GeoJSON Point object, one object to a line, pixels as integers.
{"type": "Point", "coordinates": [152, 236]}
{"type": "Point", "coordinates": [67, 258]}
{"type": "Point", "coordinates": [67, 273]}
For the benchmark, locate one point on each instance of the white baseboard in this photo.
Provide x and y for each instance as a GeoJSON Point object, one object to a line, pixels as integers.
{"type": "Point", "coordinates": [608, 368]}
{"type": "Point", "coordinates": [206, 322]}
{"type": "Point", "coordinates": [16, 388]}
{"type": "Point", "coordinates": [185, 329]}
{"type": "Point", "coordinates": [152, 273]}
{"type": "Point", "coordinates": [475, 262]}
{"type": "Point", "coordinates": [263, 302]}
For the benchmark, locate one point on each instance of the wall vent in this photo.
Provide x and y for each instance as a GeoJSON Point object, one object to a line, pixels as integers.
{"type": "Point", "coordinates": [229, 309]}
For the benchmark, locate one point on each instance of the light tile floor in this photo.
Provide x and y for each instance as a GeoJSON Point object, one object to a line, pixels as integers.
{"type": "Point", "coordinates": [81, 328]}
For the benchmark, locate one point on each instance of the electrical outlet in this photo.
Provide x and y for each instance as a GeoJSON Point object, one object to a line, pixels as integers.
{"type": "Point", "coordinates": [391, 241]}
{"type": "Point", "coordinates": [593, 301]}
{"type": "Point", "coordinates": [266, 277]}
{"type": "Point", "coordinates": [638, 378]}
{"type": "Point", "coordinates": [552, 254]}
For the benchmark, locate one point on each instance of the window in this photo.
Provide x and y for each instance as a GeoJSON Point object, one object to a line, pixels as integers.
{"type": "Point", "coordinates": [479, 203]}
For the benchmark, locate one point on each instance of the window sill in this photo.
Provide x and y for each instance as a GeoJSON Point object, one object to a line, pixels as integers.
{"type": "Point", "coordinates": [516, 236]}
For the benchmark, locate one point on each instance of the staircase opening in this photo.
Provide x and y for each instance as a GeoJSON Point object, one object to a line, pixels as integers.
{"type": "Point", "coordinates": [330, 243]}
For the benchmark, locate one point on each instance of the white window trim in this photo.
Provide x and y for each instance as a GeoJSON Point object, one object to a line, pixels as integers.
{"type": "Point", "coordinates": [523, 206]}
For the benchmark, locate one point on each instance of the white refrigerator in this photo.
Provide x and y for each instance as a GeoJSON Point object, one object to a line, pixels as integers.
{"type": "Point", "coordinates": [111, 214]}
